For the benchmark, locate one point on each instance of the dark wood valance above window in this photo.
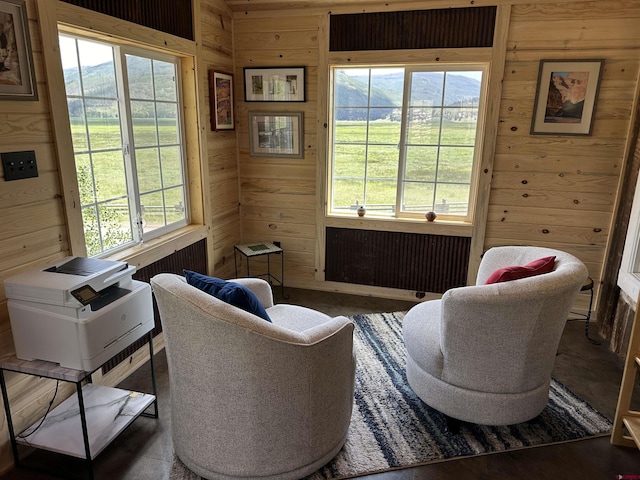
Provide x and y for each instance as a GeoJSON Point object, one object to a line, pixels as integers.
{"type": "Point", "coordinates": [170, 16]}
{"type": "Point", "coordinates": [417, 29]}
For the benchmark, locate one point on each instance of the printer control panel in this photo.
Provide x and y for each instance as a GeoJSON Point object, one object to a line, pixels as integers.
{"type": "Point", "coordinates": [85, 294]}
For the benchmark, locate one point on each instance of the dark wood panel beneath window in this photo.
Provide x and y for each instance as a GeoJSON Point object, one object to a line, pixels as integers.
{"type": "Point", "coordinates": [408, 261]}
{"type": "Point", "coordinates": [169, 16]}
{"type": "Point", "coordinates": [193, 257]}
{"type": "Point", "coordinates": [417, 29]}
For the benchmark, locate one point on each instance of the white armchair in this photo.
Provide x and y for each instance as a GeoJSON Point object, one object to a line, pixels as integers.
{"type": "Point", "coordinates": [251, 398]}
{"type": "Point", "coordinates": [484, 353]}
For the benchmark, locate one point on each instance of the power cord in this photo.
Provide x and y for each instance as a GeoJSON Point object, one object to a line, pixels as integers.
{"type": "Point", "coordinates": [55, 393]}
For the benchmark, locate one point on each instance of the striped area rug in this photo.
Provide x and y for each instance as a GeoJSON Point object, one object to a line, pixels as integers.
{"type": "Point", "coordinates": [391, 427]}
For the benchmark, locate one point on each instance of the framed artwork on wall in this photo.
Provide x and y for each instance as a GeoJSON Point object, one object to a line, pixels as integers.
{"type": "Point", "coordinates": [566, 97]}
{"type": "Point", "coordinates": [276, 134]}
{"type": "Point", "coordinates": [17, 74]}
{"type": "Point", "coordinates": [221, 100]}
{"type": "Point", "coordinates": [274, 84]}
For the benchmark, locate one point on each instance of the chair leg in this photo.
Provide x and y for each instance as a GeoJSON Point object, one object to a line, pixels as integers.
{"type": "Point", "coordinates": [453, 424]}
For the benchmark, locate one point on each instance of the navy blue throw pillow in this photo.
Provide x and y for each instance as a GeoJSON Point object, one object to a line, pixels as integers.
{"type": "Point", "coordinates": [230, 292]}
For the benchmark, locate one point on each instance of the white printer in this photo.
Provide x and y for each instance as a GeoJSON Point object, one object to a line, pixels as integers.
{"type": "Point", "coordinates": [79, 312]}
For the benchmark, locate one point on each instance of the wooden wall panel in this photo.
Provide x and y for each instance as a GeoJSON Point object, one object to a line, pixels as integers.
{"type": "Point", "coordinates": [276, 199]}
{"type": "Point", "coordinates": [33, 229]}
{"type": "Point", "coordinates": [32, 214]}
{"type": "Point", "coordinates": [216, 30]}
{"type": "Point", "coordinates": [410, 261]}
{"type": "Point", "coordinates": [171, 16]}
{"type": "Point", "coordinates": [278, 195]}
{"type": "Point", "coordinates": [562, 190]}
{"type": "Point", "coordinates": [416, 29]}
{"type": "Point", "coordinates": [557, 191]}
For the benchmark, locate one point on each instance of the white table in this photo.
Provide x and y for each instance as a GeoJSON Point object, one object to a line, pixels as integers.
{"type": "Point", "coordinates": [96, 412]}
{"type": "Point", "coordinates": [257, 249]}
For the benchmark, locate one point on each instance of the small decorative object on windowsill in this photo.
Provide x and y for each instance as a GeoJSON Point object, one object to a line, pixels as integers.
{"type": "Point", "coordinates": [361, 211]}
{"type": "Point", "coordinates": [430, 216]}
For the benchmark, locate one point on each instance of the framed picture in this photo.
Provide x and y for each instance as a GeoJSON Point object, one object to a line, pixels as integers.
{"type": "Point", "coordinates": [221, 99]}
{"type": "Point", "coordinates": [276, 134]}
{"type": "Point", "coordinates": [274, 84]}
{"type": "Point", "coordinates": [566, 97]}
{"type": "Point", "coordinates": [17, 74]}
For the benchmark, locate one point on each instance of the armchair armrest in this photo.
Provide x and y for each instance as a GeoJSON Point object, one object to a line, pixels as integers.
{"type": "Point", "coordinates": [325, 330]}
{"type": "Point", "coordinates": [259, 287]}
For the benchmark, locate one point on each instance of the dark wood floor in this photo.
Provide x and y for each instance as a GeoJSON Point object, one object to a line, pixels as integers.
{"type": "Point", "coordinates": [144, 450]}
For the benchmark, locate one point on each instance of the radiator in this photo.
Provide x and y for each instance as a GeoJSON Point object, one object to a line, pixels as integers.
{"type": "Point", "coordinates": [408, 261]}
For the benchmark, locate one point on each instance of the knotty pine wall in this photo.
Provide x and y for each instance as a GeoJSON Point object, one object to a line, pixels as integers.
{"type": "Point", "coordinates": [555, 191]}
{"type": "Point", "coordinates": [32, 214]}
{"type": "Point", "coordinates": [571, 188]}
{"type": "Point", "coordinates": [278, 197]}
{"type": "Point", "coordinates": [215, 22]}
{"type": "Point", "coordinates": [33, 226]}
{"type": "Point", "coordinates": [561, 191]}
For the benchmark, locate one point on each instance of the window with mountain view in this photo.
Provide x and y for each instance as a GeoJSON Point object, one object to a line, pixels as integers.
{"type": "Point", "coordinates": [124, 112]}
{"type": "Point", "coordinates": [404, 140]}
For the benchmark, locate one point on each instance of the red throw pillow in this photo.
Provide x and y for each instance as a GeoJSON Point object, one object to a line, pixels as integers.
{"type": "Point", "coordinates": [537, 267]}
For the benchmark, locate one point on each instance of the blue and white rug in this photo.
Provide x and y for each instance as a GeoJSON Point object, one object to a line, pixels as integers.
{"type": "Point", "coordinates": [391, 427]}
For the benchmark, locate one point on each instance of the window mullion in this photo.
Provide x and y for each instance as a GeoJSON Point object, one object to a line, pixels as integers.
{"type": "Point", "coordinates": [128, 145]}
{"type": "Point", "coordinates": [439, 148]}
{"type": "Point", "coordinates": [402, 145]}
{"type": "Point", "coordinates": [366, 143]}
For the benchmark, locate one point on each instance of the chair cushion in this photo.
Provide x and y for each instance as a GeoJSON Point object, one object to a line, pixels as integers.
{"type": "Point", "coordinates": [515, 272]}
{"type": "Point", "coordinates": [230, 292]}
{"type": "Point", "coordinates": [295, 317]}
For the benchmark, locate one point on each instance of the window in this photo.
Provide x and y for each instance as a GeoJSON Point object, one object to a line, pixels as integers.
{"type": "Point", "coordinates": [629, 273]}
{"type": "Point", "coordinates": [125, 116]}
{"type": "Point", "coordinates": [404, 141]}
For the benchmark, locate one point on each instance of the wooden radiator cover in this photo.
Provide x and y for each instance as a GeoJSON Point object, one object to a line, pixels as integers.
{"type": "Point", "coordinates": [193, 257]}
{"type": "Point", "coordinates": [408, 261]}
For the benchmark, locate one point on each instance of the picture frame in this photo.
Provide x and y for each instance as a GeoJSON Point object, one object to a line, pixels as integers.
{"type": "Point", "coordinates": [17, 73]}
{"type": "Point", "coordinates": [566, 97]}
{"type": "Point", "coordinates": [266, 84]}
{"type": "Point", "coordinates": [221, 100]}
{"type": "Point", "coordinates": [276, 134]}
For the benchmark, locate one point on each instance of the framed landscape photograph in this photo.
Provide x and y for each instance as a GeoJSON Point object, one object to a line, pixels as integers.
{"type": "Point", "coordinates": [276, 134]}
{"type": "Point", "coordinates": [221, 99]}
{"type": "Point", "coordinates": [566, 97]}
{"type": "Point", "coordinates": [274, 84]}
{"type": "Point", "coordinates": [17, 74]}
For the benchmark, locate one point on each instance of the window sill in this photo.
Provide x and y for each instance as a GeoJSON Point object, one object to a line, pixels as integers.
{"type": "Point", "coordinates": [409, 225]}
{"type": "Point", "coordinates": [157, 248]}
{"type": "Point", "coordinates": [629, 283]}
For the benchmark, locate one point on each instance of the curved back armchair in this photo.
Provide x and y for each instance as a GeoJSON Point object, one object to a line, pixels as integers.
{"type": "Point", "coordinates": [484, 353]}
{"type": "Point", "coordinates": [250, 398]}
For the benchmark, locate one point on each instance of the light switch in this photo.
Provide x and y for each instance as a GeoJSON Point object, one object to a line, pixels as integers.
{"type": "Point", "coordinates": [19, 165]}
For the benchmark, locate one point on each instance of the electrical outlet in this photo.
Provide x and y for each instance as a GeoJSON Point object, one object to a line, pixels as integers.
{"type": "Point", "coordinates": [18, 165]}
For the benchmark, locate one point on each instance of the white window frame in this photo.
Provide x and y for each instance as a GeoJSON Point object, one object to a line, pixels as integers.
{"type": "Point", "coordinates": [402, 145]}
{"type": "Point", "coordinates": [629, 273]}
{"type": "Point", "coordinates": [120, 52]}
